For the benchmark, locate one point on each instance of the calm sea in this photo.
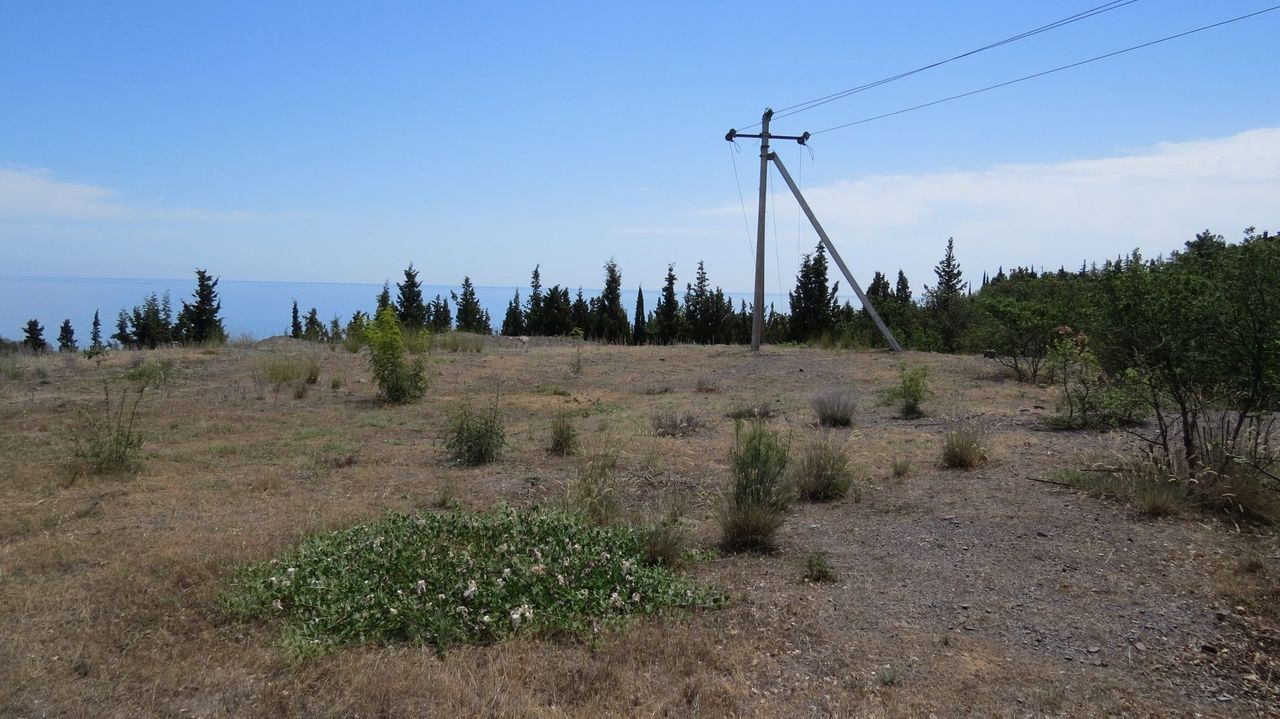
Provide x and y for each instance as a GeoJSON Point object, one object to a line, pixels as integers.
{"type": "Point", "coordinates": [259, 309]}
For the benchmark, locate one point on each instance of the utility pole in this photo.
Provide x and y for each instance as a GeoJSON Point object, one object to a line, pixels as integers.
{"type": "Point", "coordinates": [757, 307]}
{"type": "Point", "coordinates": [757, 310]}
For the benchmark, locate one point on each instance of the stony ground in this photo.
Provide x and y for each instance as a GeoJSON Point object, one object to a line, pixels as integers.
{"type": "Point", "coordinates": [991, 592]}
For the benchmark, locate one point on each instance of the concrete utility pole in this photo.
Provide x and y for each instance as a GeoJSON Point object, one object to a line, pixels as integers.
{"type": "Point", "coordinates": [757, 310]}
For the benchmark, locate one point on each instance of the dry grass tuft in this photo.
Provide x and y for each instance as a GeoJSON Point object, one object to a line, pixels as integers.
{"type": "Point", "coordinates": [821, 471]}
{"type": "Point", "coordinates": [964, 446]}
{"type": "Point", "coordinates": [834, 407]}
{"type": "Point", "coordinates": [670, 423]}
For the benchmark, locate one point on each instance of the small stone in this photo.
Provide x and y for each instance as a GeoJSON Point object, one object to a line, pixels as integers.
{"type": "Point", "coordinates": [1208, 649]}
{"type": "Point", "coordinates": [964, 606]}
{"type": "Point", "coordinates": [1140, 647]}
{"type": "Point", "coordinates": [1041, 533]}
{"type": "Point", "coordinates": [1094, 650]}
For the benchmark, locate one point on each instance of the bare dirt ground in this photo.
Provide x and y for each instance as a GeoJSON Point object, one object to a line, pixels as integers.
{"type": "Point", "coordinates": [980, 593]}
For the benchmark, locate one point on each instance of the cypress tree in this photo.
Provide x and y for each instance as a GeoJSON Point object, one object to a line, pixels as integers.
{"type": "Point", "coordinates": [384, 298]}
{"type": "Point", "coordinates": [813, 305]}
{"type": "Point", "coordinates": [313, 330]}
{"type": "Point", "coordinates": [471, 316]}
{"type": "Point", "coordinates": [410, 308]}
{"type": "Point", "coordinates": [558, 312]}
{"type": "Point", "coordinates": [878, 290]}
{"type": "Point", "coordinates": [698, 312]}
{"type": "Point", "coordinates": [666, 317]}
{"type": "Point", "coordinates": [295, 325]}
{"type": "Point", "coordinates": [67, 337]}
{"type": "Point", "coordinates": [534, 321]}
{"type": "Point", "coordinates": [513, 323]}
{"type": "Point", "coordinates": [439, 318]}
{"type": "Point", "coordinates": [611, 323]}
{"type": "Point", "coordinates": [95, 335]}
{"type": "Point", "coordinates": [199, 322]}
{"type": "Point", "coordinates": [150, 323]}
{"type": "Point", "coordinates": [33, 337]}
{"type": "Point", "coordinates": [579, 314]}
{"type": "Point", "coordinates": [638, 331]}
{"type": "Point", "coordinates": [946, 301]}
{"type": "Point", "coordinates": [122, 336]}
{"type": "Point", "coordinates": [902, 290]}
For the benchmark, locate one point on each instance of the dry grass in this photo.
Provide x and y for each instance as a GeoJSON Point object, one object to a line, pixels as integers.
{"type": "Point", "coordinates": [109, 586]}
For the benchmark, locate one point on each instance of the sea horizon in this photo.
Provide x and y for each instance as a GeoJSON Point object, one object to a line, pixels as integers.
{"type": "Point", "coordinates": [256, 308]}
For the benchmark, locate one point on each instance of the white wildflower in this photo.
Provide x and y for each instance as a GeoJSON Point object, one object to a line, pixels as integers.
{"type": "Point", "coordinates": [421, 586]}
{"type": "Point", "coordinates": [538, 569]}
{"type": "Point", "coordinates": [635, 597]}
{"type": "Point", "coordinates": [471, 589]}
{"type": "Point", "coordinates": [277, 605]}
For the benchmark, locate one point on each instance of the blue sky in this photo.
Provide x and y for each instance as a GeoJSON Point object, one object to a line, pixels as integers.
{"type": "Point", "coordinates": [337, 142]}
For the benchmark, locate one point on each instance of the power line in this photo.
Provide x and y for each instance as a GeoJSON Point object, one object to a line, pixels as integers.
{"type": "Point", "coordinates": [1048, 72]}
{"type": "Point", "coordinates": [810, 104]}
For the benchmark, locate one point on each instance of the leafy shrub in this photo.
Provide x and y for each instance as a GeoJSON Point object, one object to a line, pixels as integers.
{"type": "Point", "coordinates": [675, 424]}
{"type": "Point", "coordinates": [821, 472]}
{"type": "Point", "coordinates": [398, 381]}
{"type": "Point", "coordinates": [911, 391]}
{"type": "Point", "coordinates": [1088, 397]}
{"type": "Point", "coordinates": [964, 446]}
{"type": "Point", "coordinates": [475, 438]}
{"type": "Point", "coordinates": [817, 569]}
{"type": "Point", "coordinates": [834, 408]}
{"type": "Point", "coordinates": [457, 577]}
{"type": "Point", "coordinates": [282, 370]}
{"type": "Point", "coordinates": [105, 438]}
{"type": "Point", "coordinates": [759, 498]}
{"type": "Point", "coordinates": [564, 437]}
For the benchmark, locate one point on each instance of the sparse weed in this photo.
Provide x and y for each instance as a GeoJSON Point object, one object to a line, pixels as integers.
{"type": "Point", "coordinates": [706, 385]}
{"type": "Point", "coordinates": [821, 472]}
{"type": "Point", "coordinates": [151, 372]}
{"type": "Point", "coordinates": [300, 388]}
{"type": "Point", "coordinates": [759, 498]}
{"type": "Point", "coordinates": [666, 539]}
{"type": "Point", "coordinates": [887, 676]}
{"type": "Point", "coordinates": [590, 491]}
{"type": "Point", "coordinates": [475, 438]}
{"type": "Point", "coordinates": [761, 410]}
{"type": "Point", "coordinates": [817, 568]}
{"type": "Point", "coordinates": [901, 467]}
{"type": "Point", "coordinates": [105, 438]}
{"type": "Point", "coordinates": [11, 368]}
{"type": "Point", "coordinates": [964, 446]}
{"type": "Point", "coordinates": [417, 341]}
{"type": "Point", "coordinates": [282, 370]}
{"type": "Point", "coordinates": [834, 407]}
{"type": "Point", "coordinates": [564, 436]}
{"type": "Point", "coordinates": [458, 342]}
{"type": "Point", "coordinates": [336, 383]}
{"type": "Point", "coordinates": [668, 423]}
{"type": "Point", "coordinates": [310, 370]}
{"type": "Point", "coordinates": [651, 391]}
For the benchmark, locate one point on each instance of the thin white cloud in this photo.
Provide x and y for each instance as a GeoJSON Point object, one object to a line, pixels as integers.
{"type": "Point", "coordinates": [1054, 213]}
{"type": "Point", "coordinates": [28, 194]}
{"type": "Point", "coordinates": [669, 231]}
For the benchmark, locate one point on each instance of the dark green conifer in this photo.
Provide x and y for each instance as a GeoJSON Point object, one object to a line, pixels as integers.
{"type": "Point", "coordinates": [638, 334]}
{"type": "Point", "coordinates": [33, 337]}
{"type": "Point", "coordinates": [666, 317]}
{"type": "Point", "coordinates": [67, 337]}
{"type": "Point", "coordinates": [199, 322]}
{"type": "Point", "coordinates": [611, 323]}
{"type": "Point", "coordinates": [410, 308]}
{"type": "Point", "coordinates": [471, 316]}
{"type": "Point", "coordinates": [513, 323]}
{"type": "Point", "coordinates": [295, 325]}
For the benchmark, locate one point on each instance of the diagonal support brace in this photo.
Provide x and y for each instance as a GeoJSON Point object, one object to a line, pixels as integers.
{"type": "Point", "coordinates": [826, 241]}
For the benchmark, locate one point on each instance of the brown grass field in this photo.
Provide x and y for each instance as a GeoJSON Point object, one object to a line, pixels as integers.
{"type": "Point", "coordinates": [957, 593]}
